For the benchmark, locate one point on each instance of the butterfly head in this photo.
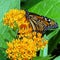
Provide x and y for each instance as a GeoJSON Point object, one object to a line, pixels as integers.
{"type": "Point", "coordinates": [52, 24]}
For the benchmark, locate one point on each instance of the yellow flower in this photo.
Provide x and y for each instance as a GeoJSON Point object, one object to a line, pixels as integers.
{"type": "Point", "coordinates": [14, 16]}
{"type": "Point", "coordinates": [28, 42]}
{"type": "Point", "coordinates": [24, 49]}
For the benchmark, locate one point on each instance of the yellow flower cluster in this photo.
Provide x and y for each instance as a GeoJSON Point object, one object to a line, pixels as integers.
{"type": "Point", "coordinates": [28, 42]}
{"type": "Point", "coordinates": [26, 47]}
{"type": "Point", "coordinates": [14, 17]}
{"type": "Point", "coordinates": [21, 49]}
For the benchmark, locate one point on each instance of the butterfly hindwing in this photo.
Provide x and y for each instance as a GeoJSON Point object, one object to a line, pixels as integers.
{"type": "Point", "coordinates": [40, 23]}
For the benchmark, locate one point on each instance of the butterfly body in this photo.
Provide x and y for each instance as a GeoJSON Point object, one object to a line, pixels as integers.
{"type": "Point", "coordinates": [40, 23]}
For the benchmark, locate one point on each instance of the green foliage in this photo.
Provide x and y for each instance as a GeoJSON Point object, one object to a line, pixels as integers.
{"type": "Point", "coordinates": [54, 41]}
{"type": "Point", "coordinates": [44, 52]}
{"type": "Point", "coordinates": [6, 33]}
{"type": "Point", "coordinates": [23, 0]}
{"type": "Point", "coordinates": [42, 58]}
{"type": "Point", "coordinates": [3, 56]}
{"type": "Point", "coordinates": [57, 58]}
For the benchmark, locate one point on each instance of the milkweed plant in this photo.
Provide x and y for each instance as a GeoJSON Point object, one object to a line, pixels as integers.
{"type": "Point", "coordinates": [26, 44]}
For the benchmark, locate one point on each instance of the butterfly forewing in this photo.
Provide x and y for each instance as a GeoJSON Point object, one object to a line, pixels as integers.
{"type": "Point", "coordinates": [40, 23]}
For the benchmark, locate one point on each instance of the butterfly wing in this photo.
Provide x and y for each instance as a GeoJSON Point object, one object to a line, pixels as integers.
{"type": "Point", "coordinates": [40, 23]}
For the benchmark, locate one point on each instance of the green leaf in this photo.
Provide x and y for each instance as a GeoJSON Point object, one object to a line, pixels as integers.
{"type": "Point", "coordinates": [4, 32]}
{"type": "Point", "coordinates": [53, 42]}
{"type": "Point", "coordinates": [3, 44]}
{"type": "Point", "coordinates": [23, 0]}
{"type": "Point", "coordinates": [13, 33]}
{"type": "Point", "coordinates": [42, 58]}
{"type": "Point", "coordinates": [44, 52]}
{"type": "Point", "coordinates": [49, 36]}
{"type": "Point", "coordinates": [53, 39]}
{"type": "Point", "coordinates": [28, 4]}
{"type": "Point", "coordinates": [7, 34]}
{"type": "Point", "coordinates": [49, 8]}
{"type": "Point", "coordinates": [57, 58]}
{"type": "Point", "coordinates": [2, 54]}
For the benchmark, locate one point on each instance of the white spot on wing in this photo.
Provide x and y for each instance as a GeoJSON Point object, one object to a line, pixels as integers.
{"type": "Point", "coordinates": [46, 19]}
{"type": "Point", "coordinates": [49, 20]}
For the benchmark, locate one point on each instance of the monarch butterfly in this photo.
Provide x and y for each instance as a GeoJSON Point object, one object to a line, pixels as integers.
{"type": "Point", "coordinates": [40, 23]}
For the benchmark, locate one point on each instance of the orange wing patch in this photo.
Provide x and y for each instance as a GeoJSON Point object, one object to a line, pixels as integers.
{"type": "Point", "coordinates": [40, 23]}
